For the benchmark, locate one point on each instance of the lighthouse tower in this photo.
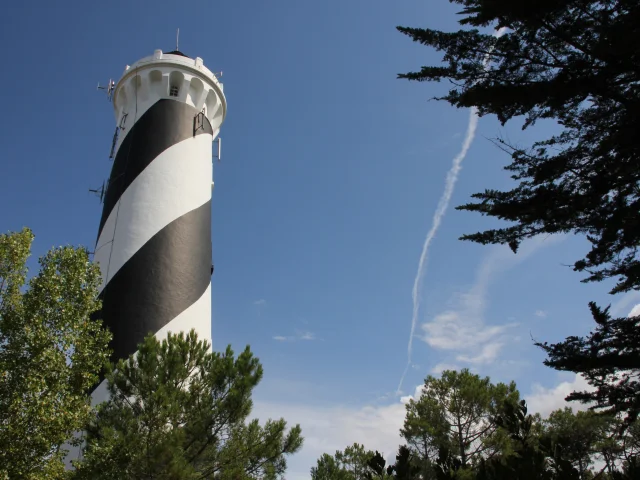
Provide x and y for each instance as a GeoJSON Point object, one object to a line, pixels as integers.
{"type": "Point", "coordinates": [154, 238]}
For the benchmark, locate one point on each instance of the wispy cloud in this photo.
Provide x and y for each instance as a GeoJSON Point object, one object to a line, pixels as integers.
{"type": "Point", "coordinates": [293, 338]}
{"type": "Point", "coordinates": [443, 204]}
{"type": "Point", "coordinates": [461, 329]}
{"type": "Point", "coordinates": [441, 367]}
{"type": "Point", "coordinates": [260, 302]}
{"type": "Point", "coordinates": [540, 313]}
{"type": "Point", "coordinates": [308, 336]}
{"type": "Point", "coordinates": [488, 353]}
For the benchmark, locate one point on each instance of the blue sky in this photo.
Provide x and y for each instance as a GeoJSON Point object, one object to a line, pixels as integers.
{"type": "Point", "coordinates": [332, 170]}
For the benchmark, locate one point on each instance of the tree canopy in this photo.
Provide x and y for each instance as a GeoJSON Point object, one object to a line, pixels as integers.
{"type": "Point", "coordinates": [351, 464]}
{"type": "Point", "coordinates": [51, 353]}
{"type": "Point", "coordinates": [177, 410]}
{"type": "Point", "coordinates": [456, 412]}
{"type": "Point", "coordinates": [609, 358]}
{"type": "Point", "coordinates": [576, 62]}
{"type": "Point", "coordinates": [566, 445]}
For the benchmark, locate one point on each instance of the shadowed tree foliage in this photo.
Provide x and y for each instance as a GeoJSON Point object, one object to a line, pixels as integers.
{"type": "Point", "coordinates": [535, 455]}
{"type": "Point", "coordinates": [51, 353]}
{"type": "Point", "coordinates": [565, 446]}
{"type": "Point", "coordinates": [561, 451]}
{"type": "Point", "coordinates": [580, 434]}
{"type": "Point", "coordinates": [179, 411]}
{"type": "Point", "coordinates": [404, 468]}
{"type": "Point", "coordinates": [609, 358]}
{"type": "Point", "coordinates": [576, 62]}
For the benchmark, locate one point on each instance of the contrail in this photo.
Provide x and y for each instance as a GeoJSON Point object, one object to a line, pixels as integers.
{"type": "Point", "coordinates": [443, 204]}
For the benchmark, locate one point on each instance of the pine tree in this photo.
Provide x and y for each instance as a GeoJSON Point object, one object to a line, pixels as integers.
{"type": "Point", "coordinates": [609, 359]}
{"type": "Point", "coordinates": [534, 454]}
{"type": "Point", "coordinates": [454, 420]}
{"type": "Point", "coordinates": [576, 62]}
{"type": "Point", "coordinates": [579, 433]}
{"type": "Point", "coordinates": [351, 464]}
{"type": "Point", "coordinates": [180, 411]}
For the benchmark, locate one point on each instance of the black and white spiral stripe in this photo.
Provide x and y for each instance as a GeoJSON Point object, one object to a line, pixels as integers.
{"type": "Point", "coordinates": [154, 240]}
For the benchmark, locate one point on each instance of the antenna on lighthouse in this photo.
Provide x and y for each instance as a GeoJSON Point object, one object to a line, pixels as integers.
{"type": "Point", "coordinates": [109, 88]}
{"type": "Point", "coordinates": [99, 192]}
{"type": "Point", "coordinates": [177, 39]}
{"type": "Point", "coordinates": [219, 142]}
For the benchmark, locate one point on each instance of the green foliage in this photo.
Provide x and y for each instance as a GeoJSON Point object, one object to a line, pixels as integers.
{"type": "Point", "coordinates": [564, 446]}
{"type": "Point", "coordinates": [328, 468]}
{"type": "Point", "coordinates": [575, 62]}
{"type": "Point", "coordinates": [579, 433]}
{"type": "Point", "coordinates": [456, 416]}
{"type": "Point", "coordinates": [354, 463]}
{"type": "Point", "coordinates": [51, 353]}
{"type": "Point", "coordinates": [609, 358]}
{"type": "Point", "coordinates": [179, 411]}
{"type": "Point", "coordinates": [404, 468]}
{"type": "Point", "coordinates": [534, 456]}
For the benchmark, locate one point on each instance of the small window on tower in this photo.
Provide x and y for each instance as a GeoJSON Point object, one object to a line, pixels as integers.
{"type": "Point", "coordinates": [173, 91]}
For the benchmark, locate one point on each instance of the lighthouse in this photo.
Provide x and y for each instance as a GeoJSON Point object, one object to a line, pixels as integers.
{"type": "Point", "coordinates": [154, 238]}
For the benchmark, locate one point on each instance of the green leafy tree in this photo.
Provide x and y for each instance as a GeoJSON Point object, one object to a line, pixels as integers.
{"type": "Point", "coordinates": [426, 431]}
{"type": "Point", "coordinates": [631, 441]}
{"type": "Point", "coordinates": [558, 448]}
{"type": "Point", "coordinates": [619, 450]}
{"type": "Point", "coordinates": [456, 414]}
{"type": "Point", "coordinates": [580, 434]}
{"type": "Point", "coordinates": [576, 62]}
{"type": "Point", "coordinates": [404, 469]}
{"type": "Point", "coordinates": [51, 353]}
{"type": "Point", "coordinates": [533, 454]}
{"type": "Point", "coordinates": [179, 411]}
{"type": "Point", "coordinates": [351, 464]}
{"type": "Point", "coordinates": [328, 468]}
{"type": "Point", "coordinates": [355, 460]}
{"type": "Point", "coordinates": [368, 465]}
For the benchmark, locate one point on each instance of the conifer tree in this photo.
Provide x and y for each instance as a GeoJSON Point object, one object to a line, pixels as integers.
{"type": "Point", "coordinates": [180, 411]}
{"type": "Point", "coordinates": [455, 419]}
{"type": "Point", "coordinates": [608, 358]}
{"type": "Point", "coordinates": [576, 62]}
